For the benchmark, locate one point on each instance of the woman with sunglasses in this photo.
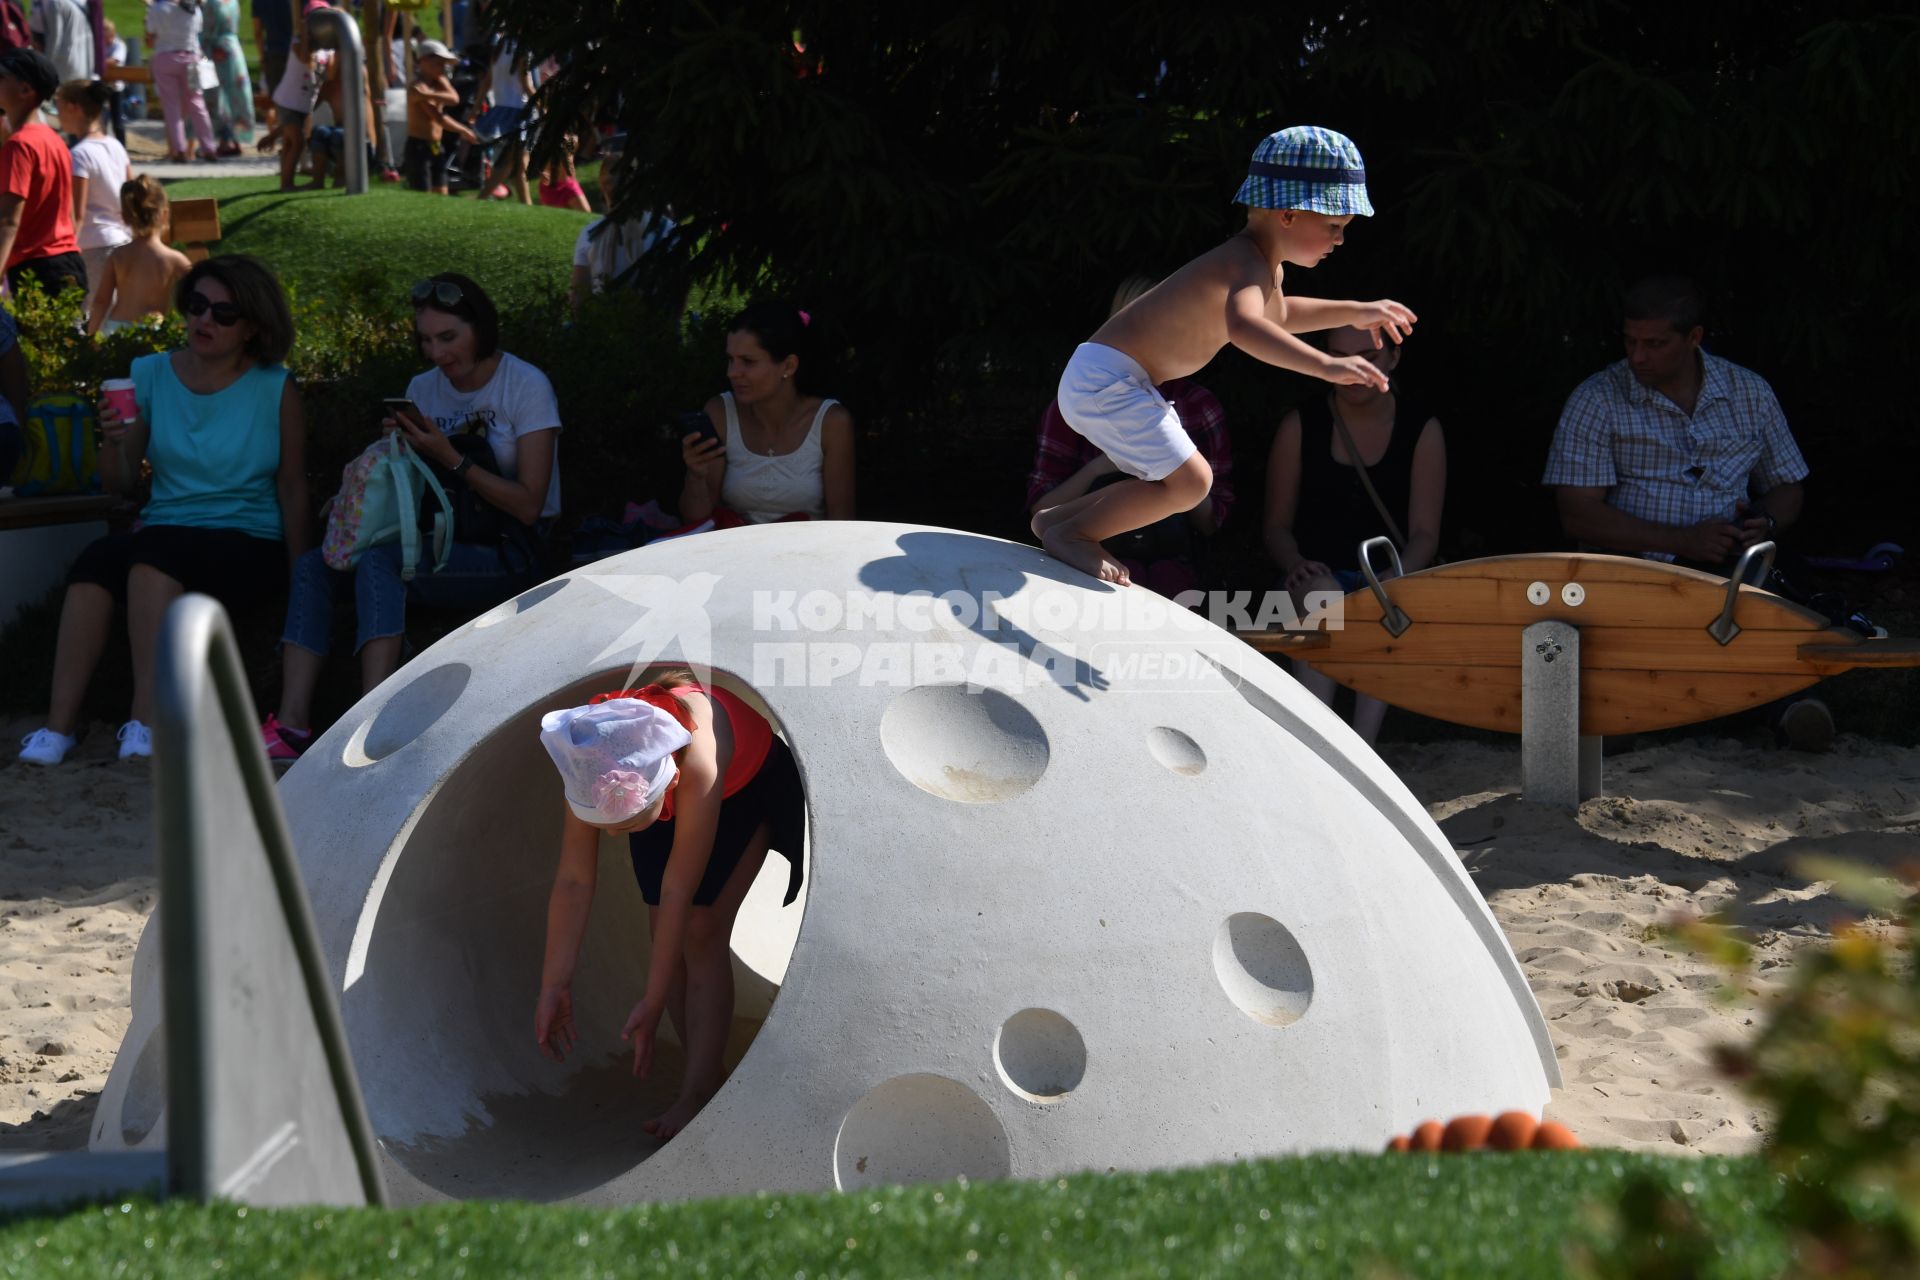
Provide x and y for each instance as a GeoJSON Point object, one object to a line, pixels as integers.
{"type": "Point", "coordinates": [473, 385]}
{"type": "Point", "coordinates": [221, 423]}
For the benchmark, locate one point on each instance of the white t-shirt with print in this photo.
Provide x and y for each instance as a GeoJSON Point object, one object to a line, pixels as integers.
{"type": "Point", "coordinates": [516, 401]}
{"type": "Point", "coordinates": [102, 161]}
{"type": "Point", "coordinates": [299, 87]}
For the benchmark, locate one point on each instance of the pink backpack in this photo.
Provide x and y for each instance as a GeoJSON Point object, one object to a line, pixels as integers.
{"type": "Point", "coordinates": [379, 502]}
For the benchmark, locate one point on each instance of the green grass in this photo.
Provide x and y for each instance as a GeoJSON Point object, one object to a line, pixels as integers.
{"type": "Point", "coordinates": [310, 238]}
{"type": "Point", "coordinates": [1334, 1216]}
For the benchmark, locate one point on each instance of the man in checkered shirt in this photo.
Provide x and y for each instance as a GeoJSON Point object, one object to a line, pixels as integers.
{"type": "Point", "coordinates": [1672, 453]}
{"type": "Point", "coordinates": [1678, 455]}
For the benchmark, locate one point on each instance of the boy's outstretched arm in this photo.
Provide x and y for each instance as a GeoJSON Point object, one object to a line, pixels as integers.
{"type": "Point", "coordinates": [1385, 318]}
{"type": "Point", "coordinates": [1249, 329]}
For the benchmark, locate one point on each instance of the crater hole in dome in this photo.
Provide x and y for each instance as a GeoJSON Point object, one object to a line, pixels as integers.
{"type": "Point", "coordinates": [521, 603]}
{"type": "Point", "coordinates": [1262, 968]}
{"type": "Point", "coordinates": [451, 952]}
{"type": "Point", "coordinates": [1178, 752]}
{"type": "Point", "coordinates": [1040, 1054]}
{"type": "Point", "coordinates": [408, 714]}
{"type": "Point", "coordinates": [972, 746]}
{"type": "Point", "coordinates": [919, 1128]}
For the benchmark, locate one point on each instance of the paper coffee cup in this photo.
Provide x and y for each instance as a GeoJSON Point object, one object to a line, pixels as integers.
{"type": "Point", "coordinates": [118, 392]}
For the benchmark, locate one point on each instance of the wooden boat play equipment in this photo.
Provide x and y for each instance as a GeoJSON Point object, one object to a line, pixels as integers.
{"type": "Point", "coordinates": [1564, 648]}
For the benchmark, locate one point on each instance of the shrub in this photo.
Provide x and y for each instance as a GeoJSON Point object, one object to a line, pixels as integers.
{"type": "Point", "coordinates": [1838, 1065]}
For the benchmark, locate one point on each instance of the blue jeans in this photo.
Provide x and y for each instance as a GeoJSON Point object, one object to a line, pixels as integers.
{"type": "Point", "coordinates": [473, 578]}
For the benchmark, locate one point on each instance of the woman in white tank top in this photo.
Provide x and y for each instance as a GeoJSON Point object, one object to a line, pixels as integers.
{"type": "Point", "coordinates": [781, 452]}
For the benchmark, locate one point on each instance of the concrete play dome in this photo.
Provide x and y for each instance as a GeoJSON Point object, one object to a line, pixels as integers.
{"type": "Point", "coordinates": [1130, 898]}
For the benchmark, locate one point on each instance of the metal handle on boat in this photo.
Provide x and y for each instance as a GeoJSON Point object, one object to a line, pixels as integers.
{"type": "Point", "coordinates": [1724, 628]}
{"type": "Point", "coordinates": [1392, 616]}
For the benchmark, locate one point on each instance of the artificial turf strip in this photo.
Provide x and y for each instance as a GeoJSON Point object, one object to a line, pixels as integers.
{"type": "Point", "coordinates": [521, 254]}
{"type": "Point", "coordinates": [1477, 1216]}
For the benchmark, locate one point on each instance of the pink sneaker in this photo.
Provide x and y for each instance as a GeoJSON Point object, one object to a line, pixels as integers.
{"type": "Point", "coordinates": [283, 745]}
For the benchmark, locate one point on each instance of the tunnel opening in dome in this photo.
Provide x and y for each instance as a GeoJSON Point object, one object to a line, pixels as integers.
{"type": "Point", "coordinates": [460, 907]}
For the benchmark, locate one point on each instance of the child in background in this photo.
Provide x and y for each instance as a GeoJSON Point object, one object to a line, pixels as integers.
{"type": "Point", "coordinates": [133, 104]}
{"type": "Point", "coordinates": [137, 279]}
{"type": "Point", "coordinates": [559, 184]}
{"type": "Point", "coordinates": [704, 790]}
{"type": "Point", "coordinates": [1303, 187]}
{"type": "Point", "coordinates": [293, 100]}
{"type": "Point", "coordinates": [425, 161]}
{"type": "Point", "coordinates": [99, 171]}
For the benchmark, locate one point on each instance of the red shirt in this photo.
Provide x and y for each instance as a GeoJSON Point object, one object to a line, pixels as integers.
{"type": "Point", "coordinates": [36, 166]}
{"type": "Point", "coordinates": [752, 735]}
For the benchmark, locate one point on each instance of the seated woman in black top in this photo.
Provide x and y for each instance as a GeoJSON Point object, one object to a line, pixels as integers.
{"type": "Point", "coordinates": [1318, 512]}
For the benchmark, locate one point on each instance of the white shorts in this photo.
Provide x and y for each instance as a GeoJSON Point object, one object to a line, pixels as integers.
{"type": "Point", "coordinates": [1108, 398]}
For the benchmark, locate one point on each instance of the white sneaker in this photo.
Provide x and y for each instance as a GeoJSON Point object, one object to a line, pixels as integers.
{"type": "Point", "coordinates": [136, 740]}
{"type": "Point", "coordinates": [44, 746]}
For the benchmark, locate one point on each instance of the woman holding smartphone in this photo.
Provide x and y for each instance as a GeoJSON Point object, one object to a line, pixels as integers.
{"type": "Point", "coordinates": [473, 387]}
{"type": "Point", "coordinates": [776, 450]}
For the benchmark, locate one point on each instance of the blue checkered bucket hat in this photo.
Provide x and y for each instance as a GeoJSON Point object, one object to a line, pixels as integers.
{"type": "Point", "coordinates": [1307, 168]}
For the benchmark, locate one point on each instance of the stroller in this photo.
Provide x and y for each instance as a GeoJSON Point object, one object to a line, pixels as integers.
{"type": "Point", "coordinates": [502, 130]}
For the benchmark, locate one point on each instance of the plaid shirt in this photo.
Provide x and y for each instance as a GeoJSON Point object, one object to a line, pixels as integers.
{"type": "Point", "coordinates": [1064, 451]}
{"type": "Point", "coordinates": [1661, 465]}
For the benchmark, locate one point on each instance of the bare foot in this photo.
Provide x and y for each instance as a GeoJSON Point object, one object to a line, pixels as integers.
{"type": "Point", "coordinates": [1084, 554]}
{"type": "Point", "coordinates": [678, 1116]}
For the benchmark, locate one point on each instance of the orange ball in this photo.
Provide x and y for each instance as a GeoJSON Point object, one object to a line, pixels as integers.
{"type": "Point", "coordinates": [1554, 1136]}
{"type": "Point", "coordinates": [1398, 1142]}
{"type": "Point", "coordinates": [1512, 1131]}
{"type": "Point", "coordinates": [1426, 1137]}
{"type": "Point", "coordinates": [1466, 1133]}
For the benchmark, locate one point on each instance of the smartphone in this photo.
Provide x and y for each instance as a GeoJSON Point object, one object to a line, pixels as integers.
{"type": "Point", "coordinates": [694, 420]}
{"type": "Point", "coordinates": [397, 405]}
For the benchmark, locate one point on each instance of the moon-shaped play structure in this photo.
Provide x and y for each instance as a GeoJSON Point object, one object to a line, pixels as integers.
{"type": "Point", "coordinates": [1090, 885]}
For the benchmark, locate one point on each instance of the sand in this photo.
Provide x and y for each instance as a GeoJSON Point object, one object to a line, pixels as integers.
{"type": "Point", "coordinates": [76, 885]}
{"type": "Point", "coordinates": [1692, 826]}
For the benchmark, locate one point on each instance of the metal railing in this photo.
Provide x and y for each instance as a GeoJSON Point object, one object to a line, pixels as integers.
{"type": "Point", "coordinates": [197, 651]}
{"type": "Point", "coordinates": [336, 29]}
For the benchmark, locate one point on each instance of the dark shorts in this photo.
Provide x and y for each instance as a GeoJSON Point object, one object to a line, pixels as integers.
{"type": "Point", "coordinates": [773, 797]}
{"type": "Point", "coordinates": [423, 169]}
{"type": "Point", "coordinates": [234, 568]}
{"type": "Point", "coordinates": [54, 274]}
{"type": "Point", "coordinates": [291, 119]}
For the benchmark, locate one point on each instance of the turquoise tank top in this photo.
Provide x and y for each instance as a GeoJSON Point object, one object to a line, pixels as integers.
{"type": "Point", "coordinates": [214, 457]}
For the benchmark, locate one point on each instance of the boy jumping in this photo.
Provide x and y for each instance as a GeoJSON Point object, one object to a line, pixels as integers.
{"type": "Point", "coordinates": [1304, 186]}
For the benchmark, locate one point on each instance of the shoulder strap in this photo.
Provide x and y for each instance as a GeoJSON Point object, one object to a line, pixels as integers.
{"type": "Point", "coordinates": [1366, 481]}
{"type": "Point", "coordinates": [442, 520]}
{"type": "Point", "coordinates": [820, 416]}
{"type": "Point", "coordinates": [733, 423]}
{"type": "Point", "coordinates": [396, 466]}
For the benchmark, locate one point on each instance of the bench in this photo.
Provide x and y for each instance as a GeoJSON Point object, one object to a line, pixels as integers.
{"type": "Point", "coordinates": [195, 225]}
{"type": "Point", "coordinates": [39, 537]}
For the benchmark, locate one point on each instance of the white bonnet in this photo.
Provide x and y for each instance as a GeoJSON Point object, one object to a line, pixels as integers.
{"type": "Point", "coordinates": [615, 757]}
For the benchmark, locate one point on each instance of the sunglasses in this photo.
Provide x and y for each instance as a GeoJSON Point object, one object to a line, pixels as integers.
{"type": "Point", "coordinates": [438, 292]}
{"type": "Point", "coordinates": [225, 314]}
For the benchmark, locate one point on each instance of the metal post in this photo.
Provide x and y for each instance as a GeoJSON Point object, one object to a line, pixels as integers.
{"type": "Point", "coordinates": [1557, 764]}
{"type": "Point", "coordinates": [345, 34]}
